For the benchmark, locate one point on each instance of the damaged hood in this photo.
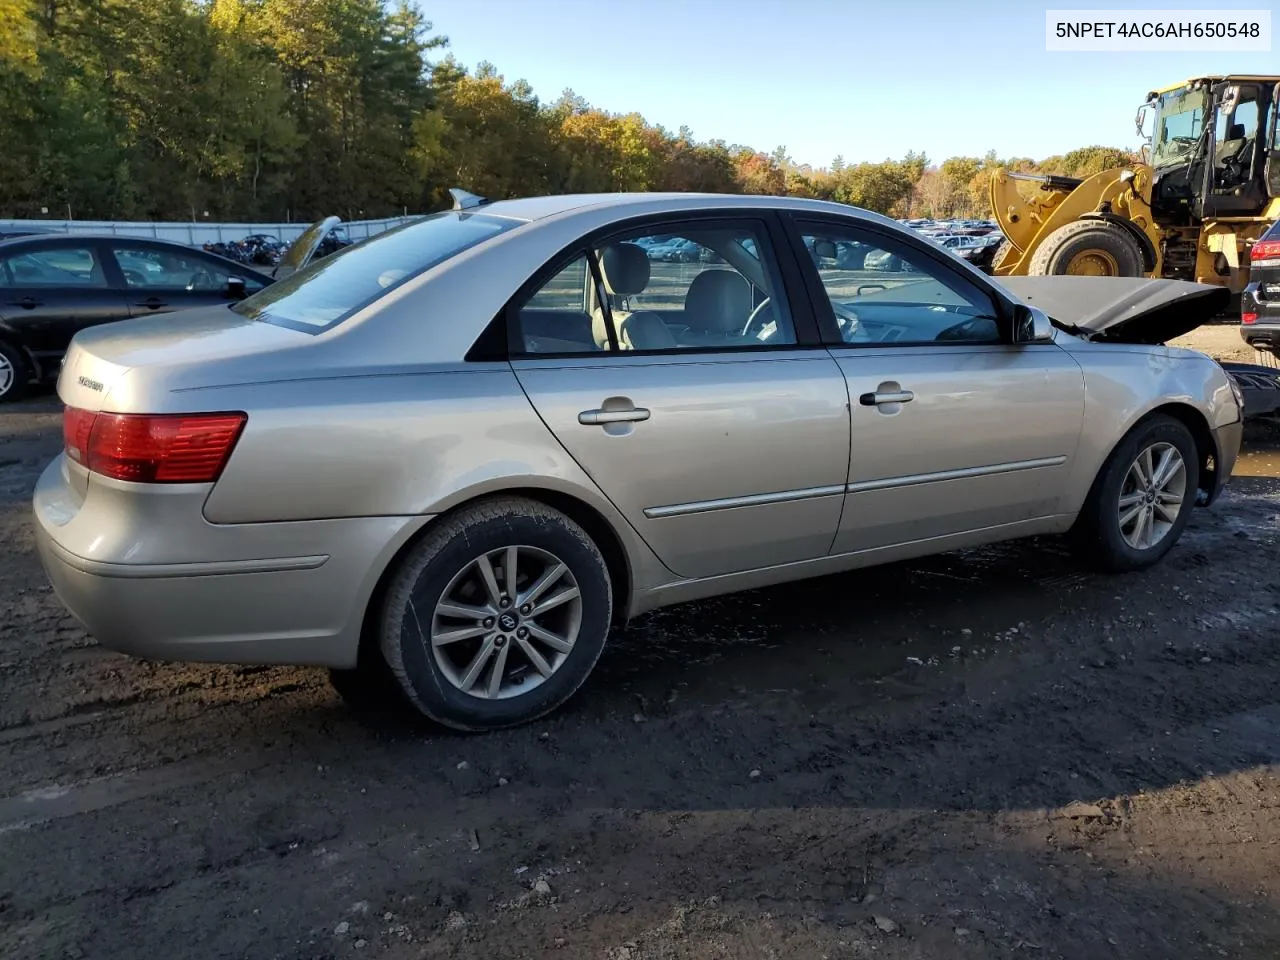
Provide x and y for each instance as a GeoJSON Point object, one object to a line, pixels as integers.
{"type": "Point", "coordinates": [302, 250]}
{"type": "Point", "coordinates": [1121, 309]}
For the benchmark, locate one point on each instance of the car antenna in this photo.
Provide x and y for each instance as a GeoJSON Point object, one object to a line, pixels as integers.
{"type": "Point", "coordinates": [463, 200]}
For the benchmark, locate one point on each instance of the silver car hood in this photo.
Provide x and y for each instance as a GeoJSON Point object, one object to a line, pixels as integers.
{"type": "Point", "coordinates": [1121, 309]}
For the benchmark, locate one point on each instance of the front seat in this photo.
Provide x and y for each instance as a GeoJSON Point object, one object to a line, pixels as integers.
{"type": "Point", "coordinates": [717, 306]}
{"type": "Point", "coordinates": [625, 270]}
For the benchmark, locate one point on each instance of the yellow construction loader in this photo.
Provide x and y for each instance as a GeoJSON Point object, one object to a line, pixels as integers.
{"type": "Point", "coordinates": [1208, 186]}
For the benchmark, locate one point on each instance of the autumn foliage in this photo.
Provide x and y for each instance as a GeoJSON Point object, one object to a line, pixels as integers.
{"type": "Point", "coordinates": [274, 109]}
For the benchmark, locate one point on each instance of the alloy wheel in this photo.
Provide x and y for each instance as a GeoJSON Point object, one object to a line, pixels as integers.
{"type": "Point", "coordinates": [506, 622]}
{"type": "Point", "coordinates": [1151, 496]}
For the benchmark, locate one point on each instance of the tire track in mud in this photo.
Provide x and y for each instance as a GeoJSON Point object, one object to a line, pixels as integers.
{"type": "Point", "coordinates": [213, 811]}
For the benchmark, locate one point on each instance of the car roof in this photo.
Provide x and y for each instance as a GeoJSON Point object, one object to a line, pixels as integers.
{"type": "Point", "coordinates": [80, 237]}
{"type": "Point", "coordinates": [530, 209]}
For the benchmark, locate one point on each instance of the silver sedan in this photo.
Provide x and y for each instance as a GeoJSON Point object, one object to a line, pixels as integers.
{"type": "Point", "coordinates": [452, 457]}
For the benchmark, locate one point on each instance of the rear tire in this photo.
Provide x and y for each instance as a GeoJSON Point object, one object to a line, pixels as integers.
{"type": "Point", "coordinates": [1101, 535]}
{"type": "Point", "coordinates": [1088, 248]}
{"type": "Point", "coordinates": [455, 617]}
{"type": "Point", "coordinates": [14, 374]}
{"type": "Point", "coordinates": [1004, 247]}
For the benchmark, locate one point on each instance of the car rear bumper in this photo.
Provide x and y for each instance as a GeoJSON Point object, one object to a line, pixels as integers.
{"type": "Point", "coordinates": [155, 580]}
{"type": "Point", "coordinates": [1265, 330]}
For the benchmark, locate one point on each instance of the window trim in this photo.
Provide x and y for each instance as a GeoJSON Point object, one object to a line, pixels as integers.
{"type": "Point", "coordinates": [767, 220]}
{"type": "Point", "coordinates": [894, 243]}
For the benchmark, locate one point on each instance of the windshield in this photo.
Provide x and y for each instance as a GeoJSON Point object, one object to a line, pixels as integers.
{"type": "Point", "coordinates": [1178, 125]}
{"type": "Point", "coordinates": [328, 291]}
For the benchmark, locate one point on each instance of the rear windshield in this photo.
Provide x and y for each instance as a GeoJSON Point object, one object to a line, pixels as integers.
{"type": "Point", "coordinates": [327, 291]}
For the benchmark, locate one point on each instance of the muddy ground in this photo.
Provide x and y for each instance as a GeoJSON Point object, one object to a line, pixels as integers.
{"type": "Point", "coordinates": [984, 755]}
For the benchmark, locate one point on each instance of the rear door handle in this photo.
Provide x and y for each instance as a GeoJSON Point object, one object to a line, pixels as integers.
{"type": "Point", "coordinates": [895, 396]}
{"type": "Point", "coordinates": [602, 417]}
{"type": "Point", "coordinates": [152, 302]}
{"type": "Point", "coordinates": [27, 303]}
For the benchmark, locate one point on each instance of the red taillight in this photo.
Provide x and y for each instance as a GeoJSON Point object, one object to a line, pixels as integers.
{"type": "Point", "coordinates": [1265, 250]}
{"type": "Point", "coordinates": [1248, 318]}
{"type": "Point", "coordinates": [152, 448]}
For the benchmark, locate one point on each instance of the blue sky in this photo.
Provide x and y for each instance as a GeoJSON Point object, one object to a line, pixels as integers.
{"type": "Point", "coordinates": [867, 79]}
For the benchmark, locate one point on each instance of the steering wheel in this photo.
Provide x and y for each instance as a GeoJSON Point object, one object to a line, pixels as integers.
{"type": "Point", "coordinates": [755, 322]}
{"type": "Point", "coordinates": [201, 280]}
{"type": "Point", "coordinates": [846, 320]}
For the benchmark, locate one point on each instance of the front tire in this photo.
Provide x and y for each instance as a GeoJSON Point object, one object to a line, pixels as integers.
{"type": "Point", "coordinates": [1142, 499]}
{"type": "Point", "coordinates": [497, 616]}
{"type": "Point", "coordinates": [1089, 248]}
{"type": "Point", "coordinates": [14, 375]}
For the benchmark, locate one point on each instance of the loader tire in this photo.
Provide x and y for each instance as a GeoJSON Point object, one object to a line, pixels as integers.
{"type": "Point", "coordinates": [1091, 248]}
{"type": "Point", "coordinates": [1004, 248]}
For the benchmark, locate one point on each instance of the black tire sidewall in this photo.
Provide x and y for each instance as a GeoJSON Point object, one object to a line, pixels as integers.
{"type": "Point", "coordinates": [18, 388]}
{"type": "Point", "coordinates": [1116, 553]}
{"type": "Point", "coordinates": [426, 581]}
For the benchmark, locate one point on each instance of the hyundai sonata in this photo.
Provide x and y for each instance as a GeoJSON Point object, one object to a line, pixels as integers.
{"type": "Point", "coordinates": [458, 453]}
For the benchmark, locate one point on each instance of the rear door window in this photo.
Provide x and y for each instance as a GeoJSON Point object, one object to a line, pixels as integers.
{"type": "Point", "coordinates": [62, 266]}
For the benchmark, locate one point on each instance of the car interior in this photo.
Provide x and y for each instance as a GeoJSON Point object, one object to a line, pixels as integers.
{"type": "Point", "coordinates": [720, 300]}
{"type": "Point", "coordinates": [723, 299]}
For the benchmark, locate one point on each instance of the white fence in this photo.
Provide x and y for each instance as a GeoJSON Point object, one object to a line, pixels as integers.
{"type": "Point", "coordinates": [196, 234]}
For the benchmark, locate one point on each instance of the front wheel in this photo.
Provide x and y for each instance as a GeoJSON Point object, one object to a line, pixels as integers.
{"type": "Point", "coordinates": [1142, 499]}
{"type": "Point", "coordinates": [497, 616]}
{"type": "Point", "coordinates": [13, 373]}
{"type": "Point", "coordinates": [1088, 248]}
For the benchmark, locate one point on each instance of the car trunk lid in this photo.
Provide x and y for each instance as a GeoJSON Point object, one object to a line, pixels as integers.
{"type": "Point", "coordinates": [138, 366]}
{"type": "Point", "coordinates": [97, 371]}
{"type": "Point", "coordinates": [1121, 309]}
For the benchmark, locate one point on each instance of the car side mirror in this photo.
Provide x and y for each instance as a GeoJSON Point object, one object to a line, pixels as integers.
{"type": "Point", "coordinates": [236, 288]}
{"type": "Point", "coordinates": [1031, 325]}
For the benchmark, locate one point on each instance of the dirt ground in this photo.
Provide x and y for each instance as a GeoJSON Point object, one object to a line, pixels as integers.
{"type": "Point", "coordinates": [989, 754]}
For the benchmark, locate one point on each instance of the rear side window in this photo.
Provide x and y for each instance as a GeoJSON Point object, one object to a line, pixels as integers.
{"type": "Point", "coordinates": [54, 267]}
{"type": "Point", "coordinates": [328, 291]}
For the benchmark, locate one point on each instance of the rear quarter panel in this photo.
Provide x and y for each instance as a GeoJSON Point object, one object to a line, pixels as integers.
{"type": "Point", "coordinates": [1124, 383]}
{"type": "Point", "coordinates": [397, 445]}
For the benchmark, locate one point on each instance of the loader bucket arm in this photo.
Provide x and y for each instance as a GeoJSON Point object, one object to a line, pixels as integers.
{"type": "Point", "coordinates": [1029, 207]}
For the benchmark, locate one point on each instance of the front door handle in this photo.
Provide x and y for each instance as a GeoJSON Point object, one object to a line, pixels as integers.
{"type": "Point", "coordinates": [27, 303]}
{"type": "Point", "coordinates": [890, 396]}
{"type": "Point", "coordinates": [602, 417]}
{"type": "Point", "coordinates": [152, 302]}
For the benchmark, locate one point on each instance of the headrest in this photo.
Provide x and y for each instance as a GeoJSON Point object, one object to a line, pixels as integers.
{"type": "Point", "coordinates": [1236, 132]}
{"type": "Point", "coordinates": [625, 268]}
{"type": "Point", "coordinates": [718, 301]}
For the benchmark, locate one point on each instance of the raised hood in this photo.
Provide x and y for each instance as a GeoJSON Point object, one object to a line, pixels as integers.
{"type": "Point", "coordinates": [1121, 309]}
{"type": "Point", "coordinates": [302, 250]}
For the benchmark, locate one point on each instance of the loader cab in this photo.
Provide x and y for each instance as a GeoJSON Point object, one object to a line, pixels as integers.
{"type": "Point", "coordinates": [1236, 155]}
{"type": "Point", "coordinates": [1213, 150]}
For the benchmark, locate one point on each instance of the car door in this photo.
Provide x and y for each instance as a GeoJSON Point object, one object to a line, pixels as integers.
{"type": "Point", "coordinates": [50, 289]}
{"type": "Point", "coordinates": [161, 277]}
{"type": "Point", "coordinates": [726, 449]}
{"type": "Point", "coordinates": [954, 428]}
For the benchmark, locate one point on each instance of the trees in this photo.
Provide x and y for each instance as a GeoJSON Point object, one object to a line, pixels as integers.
{"type": "Point", "coordinates": [265, 109]}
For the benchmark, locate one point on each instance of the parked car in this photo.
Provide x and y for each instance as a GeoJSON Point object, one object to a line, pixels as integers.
{"type": "Point", "coordinates": [54, 285]}
{"type": "Point", "coordinates": [1260, 300]}
{"type": "Point", "coordinates": [674, 250]}
{"type": "Point", "coordinates": [451, 458]}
